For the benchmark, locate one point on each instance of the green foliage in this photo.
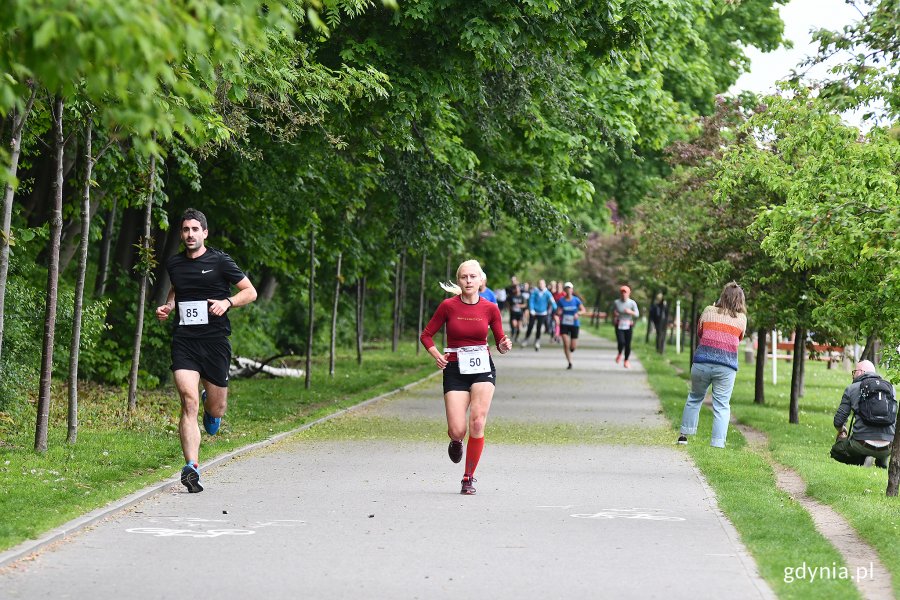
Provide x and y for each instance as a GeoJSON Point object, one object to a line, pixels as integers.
{"type": "Point", "coordinates": [866, 75]}
{"type": "Point", "coordinates": [152, 66]}
{"type": "Point", "coordinates": [23, 332]}
{"type": "Point", "coordinates": [838, 213]}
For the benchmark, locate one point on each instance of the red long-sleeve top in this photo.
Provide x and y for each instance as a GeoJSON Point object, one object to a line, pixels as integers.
{"type": "Point", "coordinates": [467, 324]}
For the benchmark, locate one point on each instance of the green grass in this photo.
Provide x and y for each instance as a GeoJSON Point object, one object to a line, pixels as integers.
{"type": "Point", "coordinates": [113, 458]}
{"type": "Point", "coordinates": [777, 531]}
{"type": "Point", "coordinates": [363, 426]}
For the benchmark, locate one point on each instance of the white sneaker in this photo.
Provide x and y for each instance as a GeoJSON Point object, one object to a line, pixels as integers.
{"type": "Point", "coordinates": [537, 346]}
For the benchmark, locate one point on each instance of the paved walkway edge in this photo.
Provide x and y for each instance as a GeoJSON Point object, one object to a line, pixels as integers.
{"type": "Point", "coordinates": [78, 524]}
{"type": "Point", "coordinates": [765, 591]}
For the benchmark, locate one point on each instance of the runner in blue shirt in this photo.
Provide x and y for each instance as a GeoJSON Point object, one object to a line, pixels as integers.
{"type": "Point", "coordinates": [540, 304]}
{"type": "Point", "coordinates": [484, 291]}
{"type": "Point", "coordinates": [570, 307]}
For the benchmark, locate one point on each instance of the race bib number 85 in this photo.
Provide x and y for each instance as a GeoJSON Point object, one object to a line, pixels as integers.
{"type": "Point", "coordinates": [193, 313]}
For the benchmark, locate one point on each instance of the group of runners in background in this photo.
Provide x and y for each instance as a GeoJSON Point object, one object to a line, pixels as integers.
{"type": "Point", "coordinates": [557, 309]}
{"type": "Point", "coordinates": [469, 373]}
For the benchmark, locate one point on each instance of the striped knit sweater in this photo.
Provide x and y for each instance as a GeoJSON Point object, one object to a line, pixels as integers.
{"type": "Point", "coordinates": [720, 334]}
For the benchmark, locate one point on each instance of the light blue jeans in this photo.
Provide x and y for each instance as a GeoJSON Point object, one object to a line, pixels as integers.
{"type": "Point", "coordinates": [721, 378]}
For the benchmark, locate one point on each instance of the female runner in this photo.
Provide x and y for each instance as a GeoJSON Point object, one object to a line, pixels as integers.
{"type": "Point", "coordinates": [469, 372]}
{"type": "Point", "coordinates": [570, 308]}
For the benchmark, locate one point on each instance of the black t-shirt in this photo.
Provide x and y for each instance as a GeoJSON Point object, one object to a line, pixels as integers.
{"type": "Point", "coordinates": [516, 302]}
{"type": "Point", "coordinates": [207, 277]}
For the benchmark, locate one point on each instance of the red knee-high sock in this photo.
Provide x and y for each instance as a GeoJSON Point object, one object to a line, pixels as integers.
{"type": "Point", "coordinates": [473, 453]}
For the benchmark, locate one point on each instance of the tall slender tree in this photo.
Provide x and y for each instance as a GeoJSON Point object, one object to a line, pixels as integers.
{"type": "Point", "coordinates": [311, 309]}
{"type": "Point", "coordinates": [334, 314]}
{"type": "Point", "coordinates": [75, 346]}
{"type": "Point", "coordinates": [52, 291]}
{"type": "Point", "coordinates": [17, 119]}
{"type": "Point", "coordinates": [145, 265]}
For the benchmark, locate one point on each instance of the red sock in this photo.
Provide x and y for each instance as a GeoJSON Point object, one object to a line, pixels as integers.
{"type": "Point", "coordinates": [473, 454]}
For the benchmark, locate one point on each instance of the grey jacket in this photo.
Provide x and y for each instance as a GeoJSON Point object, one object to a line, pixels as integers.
{"type": "Point", "coordinates": [850, 402]}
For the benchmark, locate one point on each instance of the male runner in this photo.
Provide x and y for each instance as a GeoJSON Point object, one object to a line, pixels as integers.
{"type": "Point", "coordinates": [516, 309]}
{"type": "Point", "coordinates": [540, 304]}
{"type": "Point", "coordinates": [201, 353]}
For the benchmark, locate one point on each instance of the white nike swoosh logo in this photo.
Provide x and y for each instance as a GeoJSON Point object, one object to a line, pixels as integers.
{"type": "Point", "coordinates": [490, 376]}
{"type": "Point", "coordinates": [207, 271]}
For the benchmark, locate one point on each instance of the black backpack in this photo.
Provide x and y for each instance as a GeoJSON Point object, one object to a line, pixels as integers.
{"type": "Point", "coordinates": [877, 406]}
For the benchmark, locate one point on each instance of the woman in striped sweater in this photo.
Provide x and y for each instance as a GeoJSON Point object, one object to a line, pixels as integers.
{"type": "Point", "coordinates": [721, 328]}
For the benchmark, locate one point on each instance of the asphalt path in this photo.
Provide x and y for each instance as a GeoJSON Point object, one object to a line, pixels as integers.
{"type": "Point", "coordinates": [336, 518]}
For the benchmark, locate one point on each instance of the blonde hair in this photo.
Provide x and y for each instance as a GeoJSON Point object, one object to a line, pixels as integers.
{"type": "Point", "coordinates": [732, 299]}
{"type": "Point", "coordinates": [452, 287]}
{"type": "Point", "coordinates": [470, 263]}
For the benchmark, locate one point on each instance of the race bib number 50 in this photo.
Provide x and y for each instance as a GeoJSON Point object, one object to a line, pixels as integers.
{"type": "Point", "coordinates": [193, 313]}
{"type": "Point", "coordinates": [473, 359]}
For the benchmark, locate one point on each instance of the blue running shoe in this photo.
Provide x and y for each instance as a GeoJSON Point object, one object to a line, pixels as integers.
{"type": "Point", "coordinates": [190, 478]}
{"type": "Point", "coordinates": [210, 423]}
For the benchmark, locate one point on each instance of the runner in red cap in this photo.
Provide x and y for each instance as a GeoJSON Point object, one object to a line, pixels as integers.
{"type": "Point", "coordinates": [626, 311]}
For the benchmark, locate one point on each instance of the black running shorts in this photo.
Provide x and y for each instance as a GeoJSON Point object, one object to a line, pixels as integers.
{"type": "Point", "coordinates": [569, 330]}
{"type": "Point", "coordinates": [454, 381]}
{"type": "Point", "coordinates": [209, 357]}
{"type": "Point", "coordinates": [515, 315]}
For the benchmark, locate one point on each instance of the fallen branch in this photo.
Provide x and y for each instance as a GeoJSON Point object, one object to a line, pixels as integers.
{"type": "Point", "coordinates": [244, 368]}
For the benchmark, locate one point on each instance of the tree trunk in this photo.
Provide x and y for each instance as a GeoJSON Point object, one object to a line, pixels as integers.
{"type": "Point", "coordinates": [166, 246]}
{"type": "Point", "coordinates": [796, 373]}
{"type": "Point", "coordinates": [334, 314]}
{"type": "Point", "coordinates": [868, 352]}
{"type": "Point", "coordinates": [595, 315]}
{"type": "Point", "coordinates": [124, 254]}
{"type": "Point", "coordinates": [43, 409]}
{"type": "Point", "coordinates": [663, 327]}
{"type": "Point", "coordinates": [894, 468]}
{"type": "Point", "coordinates": [401, 306]}
{"type": "Point", "coordinates": [142, 295]}
{"type": "Point", "coordinates": [759, 391]}
{"type": "Point", "coordinates": [801, 387]}
{"type": "Point", "coordinates": [395, 332]}
{"type": "Point", "coordinates": [105, 244]}
{"type": "Point", "coordinates": [267, 287]}
{"type": "Point", "coordinates": [360, 314]}
{"type": "Point", "coordinates": [312, 304]}
{"type": "Point", "coordinates": [421, 301]}
{"type": "Point", "coordinates": [75, 348]}
{"type": "Point", "coordinates": [71, 236]}
{"type": "Point", "coordinates": [9, 192]}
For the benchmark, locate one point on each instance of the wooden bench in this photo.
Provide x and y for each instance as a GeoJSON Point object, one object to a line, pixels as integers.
{"type": "Point", "coordinates": [819, 351]}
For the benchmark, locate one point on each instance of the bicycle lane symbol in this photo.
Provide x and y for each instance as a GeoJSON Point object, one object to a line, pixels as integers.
{"type": "Point", "coordinates": [194, 533]}
{"type": "Point", "coordinates": [196, 525]}
{"type": "Point", "coordinates": [649, 514]}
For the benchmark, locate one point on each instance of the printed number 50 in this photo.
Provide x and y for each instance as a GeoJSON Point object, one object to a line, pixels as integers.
{"type": "Point", "coordinates": [474, 362]}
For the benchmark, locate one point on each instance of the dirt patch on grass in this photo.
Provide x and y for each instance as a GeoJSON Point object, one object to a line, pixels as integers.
{"type": "Point", "coordinates": [859, 556]}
